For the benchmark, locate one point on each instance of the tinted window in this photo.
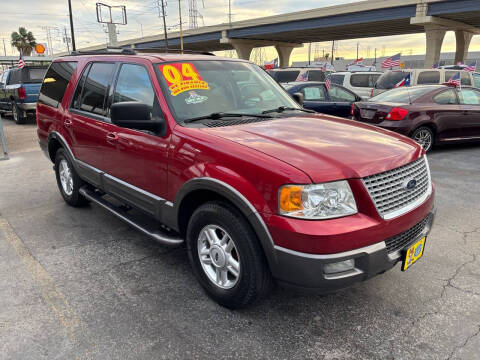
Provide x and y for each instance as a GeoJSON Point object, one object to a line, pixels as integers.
{"type": "Point", "coordinates": [314, 93]}
{"type": "Point", "coordinates": [363, 80]}
{"type": "Point", "coordinates": [429, 77]}
{"type": "Point", "coordinates": [77, 97]}
{"type": "Point", "coordinates": [476, 80]}
{"type": "Point", "coordinates": [34, 75]}
{"type": "Point", "coordinates": [465, 78]}
{"type": "Point", "coordinates": [402, 95]}
{"type": "Point", "coordinates": [389, 79]}
{"type": "Point", "coordinates": [446, 97]}
{"type": "Point", "coordinates": [337, 79]}
{"type": "Point", "coordinates": [95, 88]}
{"type": "Point", "coordinates": [55, 82]}
{"type": "Point", "coordinates": [338, 94]}
{"type": "Point", "coordinates": [15, 77]}
{"type": "Point", "coordinates": [316, 75]}
{"type": "Point", "coordinates": [287, 76]}
{"type": "Point", "coordinates": [469, 97]}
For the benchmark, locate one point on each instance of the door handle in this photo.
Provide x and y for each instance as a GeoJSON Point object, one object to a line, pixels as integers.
{"type": "Point", "coordinates": [112, 136]}
{"type": "Point", "coordinates": [68, 123]}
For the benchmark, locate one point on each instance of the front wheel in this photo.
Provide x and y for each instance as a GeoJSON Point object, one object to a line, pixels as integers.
{"type": "Point", "coordinates": [226, 256]}
{"type": "Point", "coordinates": [17, 114]}
{"type": "Point", "coordinates": [425, 137]}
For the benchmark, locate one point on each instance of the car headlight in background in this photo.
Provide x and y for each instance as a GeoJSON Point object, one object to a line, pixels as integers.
{"type": "Point", "coordinates": [317, 201]}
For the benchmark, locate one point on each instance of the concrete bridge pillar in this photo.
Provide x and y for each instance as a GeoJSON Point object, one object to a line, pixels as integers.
{"type": "Point", "coordinates": [243, 49]}
{"type": "Point", "coordinates": [284, 52]}
{"type": "Point", "coordinates": [463, 42]}
{"type": "Point", "coordinates": [434, 37]}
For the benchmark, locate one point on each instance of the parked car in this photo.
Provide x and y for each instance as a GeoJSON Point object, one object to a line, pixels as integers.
{"type": "Point", "coordinates": [258, 188]}
{"type": "Point", "coordinates": [429, 114]}
{"type": "Point", "coordinates": [288, 75]}
{"type": "Point", "coordinates": [19, 91]}
{"type": "Point", "coordinates": [361, 83]}
{"type": "Point", "coordinates": [390, 78]}
{"type": "Point", "coordinates": [338, 101]}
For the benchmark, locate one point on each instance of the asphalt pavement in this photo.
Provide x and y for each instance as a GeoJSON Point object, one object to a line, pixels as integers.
{"type": "Point", "coordinates": [80, 284]}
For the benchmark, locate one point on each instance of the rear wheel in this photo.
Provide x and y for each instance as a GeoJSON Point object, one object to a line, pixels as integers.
{"type": "Point", "coordinates": [17, 114]}
{"type": "Point", "coordinates": [425, 137]}
{"type": "Point", "coordinates": [68, 181]}
{"type": "Point", "coordinates": [226, 256]}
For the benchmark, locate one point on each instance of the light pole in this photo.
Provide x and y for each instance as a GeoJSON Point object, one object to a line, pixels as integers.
{"type": "Point", "coordinates": [71, 25]}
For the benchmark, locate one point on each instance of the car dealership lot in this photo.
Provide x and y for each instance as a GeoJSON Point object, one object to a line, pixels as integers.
{"type": "Point", "coordinates": [78, 283]}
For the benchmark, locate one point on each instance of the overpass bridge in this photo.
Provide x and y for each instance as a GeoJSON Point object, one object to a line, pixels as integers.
{"type": "Point", "coordinates": [369, 18]}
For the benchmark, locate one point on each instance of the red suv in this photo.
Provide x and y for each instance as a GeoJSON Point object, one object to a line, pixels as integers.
{"type": "Point", "coordinates": [213, 152]}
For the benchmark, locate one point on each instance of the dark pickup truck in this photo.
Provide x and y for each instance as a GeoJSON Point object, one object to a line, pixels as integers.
{"type": "Point", "coordinates": [19, 90]}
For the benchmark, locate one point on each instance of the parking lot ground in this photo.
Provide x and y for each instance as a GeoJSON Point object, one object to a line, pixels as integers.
{"type": "Point", "coordinates": [79, 283]}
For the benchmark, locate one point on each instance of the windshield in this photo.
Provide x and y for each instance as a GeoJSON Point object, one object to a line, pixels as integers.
{"type": "Point", "coordinates": [404, 95]}
{"type": "Point", "coordinates": [199, 88]}
{"type": "Point", "coordinates": [389, 79]}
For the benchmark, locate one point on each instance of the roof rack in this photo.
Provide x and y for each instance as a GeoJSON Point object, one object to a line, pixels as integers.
{"type": "Point", "coordinates": [168, 50]}
{"type": "Point", "coordinates": [130, 51]}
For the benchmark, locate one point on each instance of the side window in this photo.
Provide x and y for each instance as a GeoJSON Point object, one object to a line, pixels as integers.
{"type": "Point", "coordinates": [476, 80]}
{"type": "Point", "coordinates": [134, 84]}
{"type": "Point", "coordinates": [316, 75]}
{"type": "Point", "coordinates": [428, 77]}
{"type": "Point", "coordinates": [469, 97]}
{"type": "Point", "coordinates": [360, 80]}
{"type": "Point", "coordinates": [77, 97]}
{"type": "Point", "coordinates": [465, 78]}
{"type": "Point", "coordinates": [338, 94]}
{"type": "Point", "coordinates": [95, 88]}
{"type": "Point", "coordinates": [446, 97]}
{"type": "Point", "coordinates": [337, 79]}
{"type": "Point", "coordinates": [313, 93]}
{"type": "Point", "coordinates": [15, 77]}
{"type": "Point", "coordinates": [55, 83]}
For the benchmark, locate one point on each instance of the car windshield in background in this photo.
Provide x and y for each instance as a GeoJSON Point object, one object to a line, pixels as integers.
{"type": "Point", "coordinates": [389, 79]}
{"type": "Point", "coordinates": [403, 95]}
{"type": "Point", "coordinates": [199, 88]}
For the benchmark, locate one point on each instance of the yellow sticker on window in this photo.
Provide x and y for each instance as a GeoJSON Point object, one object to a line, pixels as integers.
{"type": "Point", "coordinates": [182, 77]}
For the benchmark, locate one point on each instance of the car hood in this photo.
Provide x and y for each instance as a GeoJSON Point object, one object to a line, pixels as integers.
{"type": "Point", "coordinates": [326, 148]}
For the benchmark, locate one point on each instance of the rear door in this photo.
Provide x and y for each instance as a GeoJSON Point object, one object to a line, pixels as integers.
{"type": "Point", "coordinates": [446, 114]}
{"type": "Point", "coordinates": [342, 100]}
{"type": "Point", "coordinates": [470, 107]}
{"type": "Point", "coordinates": [87, 121]}
{"type": "Point", "coordinates": [315, 99]}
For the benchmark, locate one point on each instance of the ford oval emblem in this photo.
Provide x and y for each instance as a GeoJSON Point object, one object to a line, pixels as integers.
{"type": "Point", "coordinates": [410, 184]}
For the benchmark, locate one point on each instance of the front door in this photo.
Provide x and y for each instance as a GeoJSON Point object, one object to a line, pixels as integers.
{"type": "Point", "coordinates": [342, 99]}
{"type": "Point", "coordinates": [470, 107]}
{"type": "Point", "coordinates": [315, 99]}
{"type": "Point", "coordinates": [139, 158]}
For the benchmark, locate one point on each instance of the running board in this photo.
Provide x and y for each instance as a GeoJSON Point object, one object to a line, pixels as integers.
{"type": "Point", "coordinates": [139, 223]}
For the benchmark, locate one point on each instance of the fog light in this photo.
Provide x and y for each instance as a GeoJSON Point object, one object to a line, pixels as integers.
{"type": "Point", "coordinates": [339, 267]}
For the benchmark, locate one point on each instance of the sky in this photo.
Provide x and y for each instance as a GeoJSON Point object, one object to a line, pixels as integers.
{"type": "Point", "coordinates": [143, 20]}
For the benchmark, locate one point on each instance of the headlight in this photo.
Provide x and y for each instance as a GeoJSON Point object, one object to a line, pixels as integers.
{"type": "Point", "coordinates": [318, 201]}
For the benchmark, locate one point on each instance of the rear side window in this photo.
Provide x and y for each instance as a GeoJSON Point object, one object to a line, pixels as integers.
{"type": "Point", "coordinates": [428, 77]}
{"type": "Point", "coordinates": [316, 75]}
{"type": "Point", "coordinates": [476, 80]}
{"type": "Point", "coordinates": [15, 77]}
{"type": "Point", "coordinates": [446, 97]}
{"type": "Point", "coordinates": [464, 77]}
{"type": "Point", "coordinates": [55, 82]}
{"type": "Point", "coordinates": [338, 94]}
{"type": "Point", "coordinates": [389, 79]}
{"type": "Point", "coordinates": [95, 88]}
{"type": "Point", "coordinates": [287, 76]}
{"type": "Point", "coordinates": [337, 79]}
{"type": "Point", "coordinates": [469, 97]}
{"type": "Point", "coordinates": [314, 93]}
{"type": "Point", "coordinates": [363, 80]}
{"type": "Point", "coordinates": [34, 75]}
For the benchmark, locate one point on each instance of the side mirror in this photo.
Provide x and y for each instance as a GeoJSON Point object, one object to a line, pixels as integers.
{"type": "Point", "coordinates": [299, 98]}
{"type": "Point", "coordinates": [134, 115]}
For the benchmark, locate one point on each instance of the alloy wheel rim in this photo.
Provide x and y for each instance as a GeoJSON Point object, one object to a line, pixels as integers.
{"type": "Point", "coordinates": [66, 178]}
{"type": "Point", "coordinates": [424, 138]}
{"type": "Point", "coordinates": [219, 256]}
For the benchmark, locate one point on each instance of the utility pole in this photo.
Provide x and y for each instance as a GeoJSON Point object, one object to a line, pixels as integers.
{"type": "Point", "coordinates": [357, 48]}
{"type": "Point", "coordinates": [230, 12]}
{"type": "Point", "coordinates": [4, 48]}
{"type": "Point", "coordinates": [375, 61]}
{"type": "Point", "coordinates": [164, 23]}
{"type": "Point", "coordinates": [309, 51]}
{"type": "Point", "coordinates": [71, 25]}
{"type": "Point", "coordinates": [65, 38]}
{"type": "Point", "coordinates": [333, 49]}
{"type": "Point", "coordinates": [181, 29]}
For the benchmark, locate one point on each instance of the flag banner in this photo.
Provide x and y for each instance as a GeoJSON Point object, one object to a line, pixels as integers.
{"type": "Point", "coordinates": [391, 61]}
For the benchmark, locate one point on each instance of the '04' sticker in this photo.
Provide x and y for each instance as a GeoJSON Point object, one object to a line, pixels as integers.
{"type": "Point", "coordinates": [182, 77]}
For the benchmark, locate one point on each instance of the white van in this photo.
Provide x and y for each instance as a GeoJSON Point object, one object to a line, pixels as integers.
{"type": "Point", "coordinates": [423, 77]}
{"type": "Point", "coordinates": [361, 83]}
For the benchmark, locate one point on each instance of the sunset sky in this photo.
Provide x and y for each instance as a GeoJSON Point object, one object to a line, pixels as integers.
{"type": "Point", "coordinates": [54, 13]}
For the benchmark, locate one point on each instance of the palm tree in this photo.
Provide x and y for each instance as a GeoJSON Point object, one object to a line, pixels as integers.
{"type": "Point", "coordinates": [23, 40]}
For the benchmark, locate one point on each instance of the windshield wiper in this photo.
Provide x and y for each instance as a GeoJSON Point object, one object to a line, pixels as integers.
{"type": "Point", "coordinates": [220, 115]}
{"type": "Point", "coordinates": [281, 109]}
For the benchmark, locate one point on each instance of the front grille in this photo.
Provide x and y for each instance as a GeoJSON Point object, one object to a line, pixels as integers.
{"type": "Point", "coordinates": [388, 189]}
{"type": "Point", "coordinates": [400, 241]}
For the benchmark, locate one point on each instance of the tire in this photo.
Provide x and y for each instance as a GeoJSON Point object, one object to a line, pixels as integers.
{"type": "Point", "coordinates": [68, 181]}
{"type": "Point", "coordinates": [425, 137]}
{"type": "Point", "coordinates": [253, 280]}
{"type": "Point", "coordinates": [17, 114]}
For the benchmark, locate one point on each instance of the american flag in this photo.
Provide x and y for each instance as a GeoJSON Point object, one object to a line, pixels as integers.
{"type": "Point", "coordinates": [455, 79]}
{"type": "Point", "coordinates": [391, 61]}
{"type": "Point", "coordinates": [302, 76]}
{"type": "Point", "coordinates": [328, 83]}
{"type": "Point", "coordinates": [21, 62]}
{"type": "Point", "coordinates": [471, 67]}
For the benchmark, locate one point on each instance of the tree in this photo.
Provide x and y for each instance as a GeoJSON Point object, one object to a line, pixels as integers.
{"type": "Point", "coordinates": [23, 40]}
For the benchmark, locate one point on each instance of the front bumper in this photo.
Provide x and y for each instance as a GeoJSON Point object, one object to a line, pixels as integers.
{"type": "Point", "coordinates": [27, 106]}
{"type": "Point", "coordinates": [306, 271]}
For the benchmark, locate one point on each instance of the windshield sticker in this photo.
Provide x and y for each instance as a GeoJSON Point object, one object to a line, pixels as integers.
{"type": "Point", "coordinates": [182, 77]}
{"type": "Point", "coordinates": [194, 98]}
